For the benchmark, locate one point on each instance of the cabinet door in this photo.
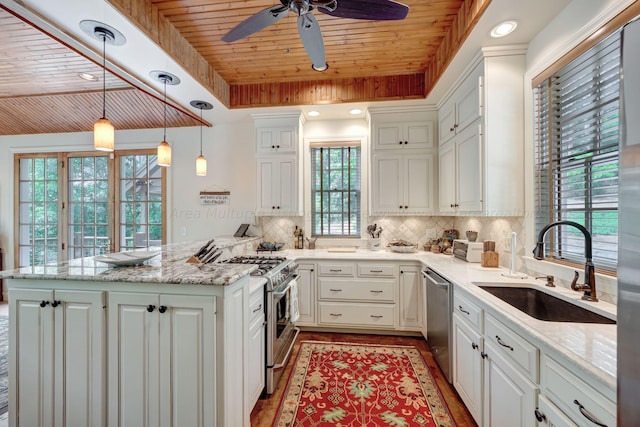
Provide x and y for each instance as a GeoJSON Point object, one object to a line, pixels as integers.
{"type": "Point", "coordinates": [80, 360]}
{"type": "Point", "coordinates": [277, 186]}
{"type": "Point", "coordinates": [447, 121]}
{"type": "Point", "coordinates": [388, 195]}
{"type": "Point", "coordinates": [418, 185]}
{"type": "Point", "coordinates": [418, 135]}
{"type": "Point", "coordinates": [410, 297]}
{"type": "Point", "coordinates": [31, 380]}
{"type": "Point", "coordinates": [133, 345]}
{"type": "Point", "coordinates": [447, 178]}
{"type": "Point", "coordinates": [276, 140]}
{"type": "Point", "coordinates": [467, 367]}
{"type": "Point", "coordinates": [267, 175]}
{"type": "Point", "coordinates": [469, 169]}
{"type": "Point", "coordinates": [187, 362]}
{"type": "Point", "coordinates": [509, 397]}
{"type": "Point", "coordinates": [307, 294]}
{"type": "Point", "coordinates": [387, 136]}
{"type": "Point", "coordinates": [469, 106]}
{"type": "Point", "coordinates": [257, 367]}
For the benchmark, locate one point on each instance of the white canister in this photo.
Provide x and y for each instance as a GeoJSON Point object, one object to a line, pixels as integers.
{"type": "Point", "coordinates": [374, 244]}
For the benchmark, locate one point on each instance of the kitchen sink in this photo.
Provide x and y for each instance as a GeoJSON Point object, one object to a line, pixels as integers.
{"type": "Point", "coordinates": [543, 306]}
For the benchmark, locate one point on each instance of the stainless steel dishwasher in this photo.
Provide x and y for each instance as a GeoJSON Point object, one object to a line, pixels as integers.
{"type": "Point", "coordinates": [439, 297]}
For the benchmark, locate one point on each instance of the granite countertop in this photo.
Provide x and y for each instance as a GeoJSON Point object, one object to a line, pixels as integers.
{"type": "Point", "coordinates": [590, 348]}
{"type": "Point", "coordinates": [169, 267]}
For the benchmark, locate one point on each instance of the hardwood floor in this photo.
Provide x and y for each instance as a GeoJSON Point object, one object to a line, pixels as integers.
{"type": "Point", "coordinates": [266, 409]}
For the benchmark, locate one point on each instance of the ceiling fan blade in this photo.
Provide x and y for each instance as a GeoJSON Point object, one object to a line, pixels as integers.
{"type": "Point", "coordinates": [255, 23]}
{"type": "Point", "coordinates": [374, 10]}
{"type": "Point", "coordinates": [311, 37]}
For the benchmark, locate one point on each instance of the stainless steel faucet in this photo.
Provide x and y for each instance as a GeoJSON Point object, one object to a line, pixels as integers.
{"type": "Point", "coordinates": [589, 286]}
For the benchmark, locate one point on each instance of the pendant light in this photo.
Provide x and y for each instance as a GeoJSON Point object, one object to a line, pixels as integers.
{"type": "Point", "coordinates": [164, 149]}
{"type": "Point", "coordinates": [103, 131]}
{"type": "Point", "coordinates": [201, 162]}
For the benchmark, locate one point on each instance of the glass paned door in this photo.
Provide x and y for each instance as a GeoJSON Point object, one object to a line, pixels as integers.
{"type": "Point", "coordinates": [141, 210]}
{"type": "Point", "coordinates": [38, 231]}
{"type": "Point", "coordinates": [88, 205]}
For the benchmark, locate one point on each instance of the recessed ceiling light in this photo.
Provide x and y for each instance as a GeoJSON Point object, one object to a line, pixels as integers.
{"type": "Point", "coordinates": [88, 77]}
{"type": "Point", "coordinates": [355, 111]}
{"type": "Point", "coordinates": [313, 113]}
{"type": "Point", "coordinates": [504, 28]}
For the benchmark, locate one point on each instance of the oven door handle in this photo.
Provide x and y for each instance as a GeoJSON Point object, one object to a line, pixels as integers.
{"type": "Point", "coordinates": [286, 357]}
{"type": "Point", "coordinates": [286, 289]}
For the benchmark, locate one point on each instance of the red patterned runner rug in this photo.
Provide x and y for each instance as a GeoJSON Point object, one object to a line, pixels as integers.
{"type": "Point", "coordinates": [356, 385]}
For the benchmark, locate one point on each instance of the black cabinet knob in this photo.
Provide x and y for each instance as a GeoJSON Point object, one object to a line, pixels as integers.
{"type": "Point", "coordinates": [277, 146]}
{"type": "Point", "coordinates": [406, 207]}
{"type": "Point", "coordinates": [162, 308]}
{"type": "Point", "coordinates": [44, 303]}
{"type": "Point", "coordinates": [406, 142]}
{"type": "Point", "coordinates": [539, 415]}
{"type": "Point", "coordinates": [273, 207]}
{"type": "Point", "coordinates": [273, 146]}
{"type": "Point", "coordinates": [150, 308]}
{"type": "Point", "coordinates": [55, 303]}
{"type": "Point", "coordinates": [483, 354]}
{"type": "Point", "coordinates": [474, 346]}
{"type": "Point", "coordinates": [400, 142]}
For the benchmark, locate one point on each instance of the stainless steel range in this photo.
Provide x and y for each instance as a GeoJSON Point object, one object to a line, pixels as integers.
{"type": "Point", "coordinates": [281, 333]}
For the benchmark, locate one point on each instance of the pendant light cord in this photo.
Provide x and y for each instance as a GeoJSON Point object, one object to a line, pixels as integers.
{"type": "Point", "coordinates": [200, 132]}
{"type": "Point", "coordinates": [104, 76]}
{"type": "Point", "coordinates": [165, 109]}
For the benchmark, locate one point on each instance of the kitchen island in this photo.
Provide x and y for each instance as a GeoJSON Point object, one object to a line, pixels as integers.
{"type": "Point", "coordinates": [158, 344]}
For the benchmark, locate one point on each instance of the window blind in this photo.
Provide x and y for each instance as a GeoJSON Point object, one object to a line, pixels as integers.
{"type": "Point", "coordinates": [577, 133]}
{"type": "Point", "coordinates": [335, 190]}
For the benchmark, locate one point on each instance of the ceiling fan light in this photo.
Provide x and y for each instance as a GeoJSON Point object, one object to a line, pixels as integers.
{"type": "Point", "coordinates": [201, 166]}
{"type": "Point", "coordinates": [321, 68]}
{"type": "Point", "coordinates": [103, 135]}
{"type": "Point", "coordinates": [164, 154]}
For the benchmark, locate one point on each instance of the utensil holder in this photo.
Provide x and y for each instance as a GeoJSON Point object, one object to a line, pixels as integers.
{"type": "Point", "coordinates": [375, 244]}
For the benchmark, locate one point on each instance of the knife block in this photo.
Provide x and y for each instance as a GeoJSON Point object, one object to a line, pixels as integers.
{"type": "Point", "coordinates": [489, 259]}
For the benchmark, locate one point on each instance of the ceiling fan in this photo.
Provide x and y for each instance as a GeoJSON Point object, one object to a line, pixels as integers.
{"type": "Point", "coordinates": [308, 28]}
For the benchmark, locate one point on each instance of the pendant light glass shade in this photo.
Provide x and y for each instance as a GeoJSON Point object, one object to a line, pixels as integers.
{"type": "Point", "coordinates": [103, 135]}
{"type": "Point", "coordinates": [164, 154]}
{"type": "Point", "coordinates": [201, 166]}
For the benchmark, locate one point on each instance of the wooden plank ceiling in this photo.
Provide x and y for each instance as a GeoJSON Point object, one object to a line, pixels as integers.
{"type": "Point", "coordinates": [368, 60]}
{"type": "Point", "coordinates": [41, 92]}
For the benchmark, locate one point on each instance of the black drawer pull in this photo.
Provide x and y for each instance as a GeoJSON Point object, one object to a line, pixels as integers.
{"type": "Point", "coordinates": [257, 309]}
{"type": "Point", "coordinates": [376, 292]}
{"type": "Point", "coordinates": [539, 415]}
{"type": "Point", "coordinates": [335, 270]}
{"type": "Point", "coordinates": [335, 314]}
{"type": "Point", "coordinates": [376, 316]}
{"type": "Point", "coordinates": [335, 290]}
{"type": "Point", "coordinates": [588, 414]}
{"type": "Point", "coordinates": [463, 310]}
{"type": "Point", "coordinates": [503, 344]}
{"type": "Point", "coordinates": [376, 271]}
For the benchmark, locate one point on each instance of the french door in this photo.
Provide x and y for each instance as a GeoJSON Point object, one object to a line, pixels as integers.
{"type": "Point", "coordinates": [74, 205]}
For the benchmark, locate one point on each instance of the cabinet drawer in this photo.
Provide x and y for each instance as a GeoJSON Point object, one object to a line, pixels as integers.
{"type": "Point", "coordinates": [468, 310]}
{"type": "Point", "coordinates": [376, 270]}
{"type": "Point", "coordinates": [345, 289]}
{"type": "Point", "coordinates": [369, 315]}
{"type": "Point", "coordinates": [513, 346]}
{"type": "Point", "coordinates": [564, 389]}
{"type": "Point", "coordinates": [553, 417]}
{"type": "Point", "coordinates": [256, 306]}
{"type": "Point", "coordinates": [337, 269]}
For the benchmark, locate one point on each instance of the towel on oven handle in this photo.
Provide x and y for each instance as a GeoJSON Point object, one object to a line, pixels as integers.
{"type": "Point", "coordinates": [294, 310]}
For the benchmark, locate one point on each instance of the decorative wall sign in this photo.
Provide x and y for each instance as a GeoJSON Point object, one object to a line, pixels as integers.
{"type": "Point", "coordinates": [214, 198]}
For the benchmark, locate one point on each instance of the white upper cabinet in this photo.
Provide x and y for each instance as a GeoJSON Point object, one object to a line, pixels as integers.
{"type": "Point", "coordinates": [481, 156]}
{"type": "Point", "coordinates": [393, 135]}
{"type": "Point", "coordinates": [403, 162]}
{"type": "Point", "coordinates": [279, 164]}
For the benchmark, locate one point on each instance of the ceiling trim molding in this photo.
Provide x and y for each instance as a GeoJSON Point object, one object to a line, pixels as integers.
{"type": "Point", "coordinates": [331, 91]}
{"type": "Point", "coordinates": [158, 28]}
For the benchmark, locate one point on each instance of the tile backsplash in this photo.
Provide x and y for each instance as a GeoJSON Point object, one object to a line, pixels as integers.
{"type": "Point", "coordinates": [413, 229]}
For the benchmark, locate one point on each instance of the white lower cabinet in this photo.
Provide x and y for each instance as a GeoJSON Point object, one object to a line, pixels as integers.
{"type": "Point", "coordinates": [467, 366]}
{"type": "Point", "coordinates": [257, 342]}
{"type": "Point", "coordinates": [410, 301]}
{"type": "Point", "coordinates": [509, 397]}
{"type": "Point", "coordinates": [162, 360]}
{"type": "Point", "coordinates": [57, 358]}
{"type": "Point", "coordinates": [306, 293]}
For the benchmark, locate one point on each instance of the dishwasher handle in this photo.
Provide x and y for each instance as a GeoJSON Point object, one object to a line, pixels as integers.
{"type": "Point", "coordinates": [435, 279]}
